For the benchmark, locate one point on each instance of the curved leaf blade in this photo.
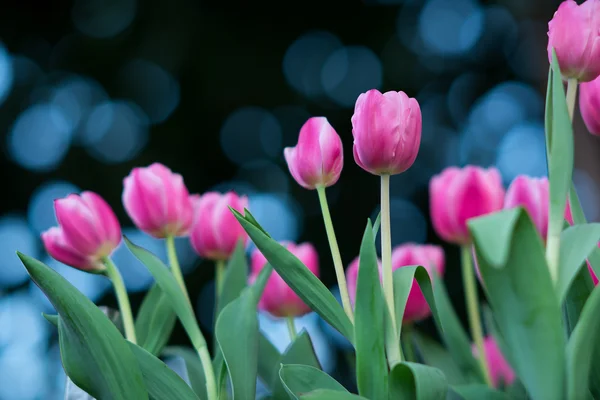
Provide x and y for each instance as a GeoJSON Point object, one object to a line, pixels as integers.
{"type": "Point", "coordinates": [193, 365]}
{"type": "Point", "coordinates": [302, 379]}
{"type": "Point", "coordinates": [327, 394]}
{"type": "Point", "coordinates": [417, 381]}
{"type": "Point", "coordinates": [94, 353]}
{"type": "Point", "coordinates": [155, 321]}
{"type": "Point", "coordinates": [478, 392]}
{"type": "Point", "coordinates": [437, 356]}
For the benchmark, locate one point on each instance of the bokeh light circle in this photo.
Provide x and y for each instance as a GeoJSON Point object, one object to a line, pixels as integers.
{"type": "Point", "coordinates": [15, 235]}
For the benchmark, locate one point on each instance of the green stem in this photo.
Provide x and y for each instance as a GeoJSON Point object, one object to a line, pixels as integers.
{"type": "Point", "coordinates": [393, 344]}
{"type": "Point", "coordinates": [291, 328]}
{"type": "Point", "coordinates": [220, 276]}
{"type": "Point", "coordinates": [209, 373]}
{"type": "Point", "coordinates": [175, 268]}
{"type": "Point", "coordinates": [407, 343]}
{"type": "Point", "coordinates": [571, 96]}
{"type": "Point", "coordinates": [470, 288]}
{"type": "Point", "coordinates": [335, 253]}
{"type": "Point", "coordinates": [125, 308]}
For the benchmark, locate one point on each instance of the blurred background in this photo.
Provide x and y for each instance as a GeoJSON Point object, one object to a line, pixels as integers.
{"type": "Point", "coordinates": [92, 88]}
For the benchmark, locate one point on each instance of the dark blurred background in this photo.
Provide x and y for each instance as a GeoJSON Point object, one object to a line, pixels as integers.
{"type": "Point", "coordinates": [215, 90]}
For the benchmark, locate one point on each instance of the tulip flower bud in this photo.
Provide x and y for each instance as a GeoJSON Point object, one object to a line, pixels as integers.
{"type": "Point", "coordinates": [589, 104]}
{"type": "Point", "coordinates": [318, 158]}
{"type": "Point", "coordinates": [157, 201]}
{"type": "Point", "coordinates": [216, 231]}
{"type": "Point", "coordinates": [387, 132]}
{"type": "Point", "coordinates": [500, 371]}
{"type": "Point", "coordinates": [278, 298]}
{"type": "Point", "coordinates": [574, 33]}
{"type": "Point", "coordinates": [459, 194]}
{"type": "Point", "coordinates": [531, 194]}
{"type": "Point", "coordinates": [429, 256]}
{"type": "Point", "coordinates": [352, 278]}
{"type": "Point", "coordinates": [88, 231]}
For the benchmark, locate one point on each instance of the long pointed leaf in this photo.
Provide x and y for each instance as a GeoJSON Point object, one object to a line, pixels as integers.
{"type": "Point", "coordinates": [155, 321]}
{"type": "Point", "coordinates": [193, 365]}
{"type": "Point", "coordinates": [302, 379]}
{"type": "Point", "coordinates": [417, 381]}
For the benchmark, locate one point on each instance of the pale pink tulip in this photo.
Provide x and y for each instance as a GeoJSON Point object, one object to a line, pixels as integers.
{"type": "Point", "coordinates": [589, 105]}
{"type": "Point", "coordinates": [500, 371]}
{"type": "Point", "coordinates": [531, 194]}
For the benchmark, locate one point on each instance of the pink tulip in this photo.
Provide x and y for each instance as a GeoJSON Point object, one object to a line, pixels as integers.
{"type": "Point", "coordinates": [429, 256]}
{"type": "Point", "coordinates": [500, 371]}
{"type": "Point", "coordinates": [574, 33]}
{"type": "Point", "coordinates": [318, 158]}
{"type": "Point", "coordinates": [352, 278]}
{"type": "Point", "coordinates": [589, 104]}
{"type": "Point", "coordinates": [216, 231]}
{"type": "Point", "coordinates": [88, 232]}
{"type": "Point", "coordinates": [531, 194]}
{"type": "Point", "coordinates": [158, 202]}
{"type": "Point", "coordinates": [459, 194]}
{"type": "Point", "coordinates": [278, 298]}
{"type": "Point", "coordinates": [569, 219]}
{"type": "Point", "coordinates": [387, 132]}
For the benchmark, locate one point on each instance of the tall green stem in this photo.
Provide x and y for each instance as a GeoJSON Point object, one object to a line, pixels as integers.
{"type": "Point", "coordinates": [470, 288]}
{"type": "Point", "coordinates": [393, 344]}
{"type": "Point", "coordinates": [174, 264]}
{"type": "Point", "coordinates": [291, 328]}
{"type": "Point", "coordinates": [335, 253]}
{"type": "Point", "coordinates": [220, 276]}
{"type": "Point", "coordinates": [571, 96]}
{"type": "Point", "coordinates": [209, 373]}
{"type": "Point", "coordinates": [124, 307]}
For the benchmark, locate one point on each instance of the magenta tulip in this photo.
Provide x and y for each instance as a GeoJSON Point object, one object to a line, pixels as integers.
{"type": "Point", "coordinates": [500, 371]}
{"type": "Point", "coordinates": [532, 195]}
{"type": "Point", "coordinates": [429, 256]}
{"type": "Point", "coordinates": [216, 231]}
{"type": "Point", "coordinates": [318, 158]}
{"type": "Point", "coordinates": [158, 202]}
{"type": "Point", "coordinates": [459, 194]}
{"type": "Point", "coordinates": [278, 298]}
{"type": "Point", "coordinates": [574, 33]}
{"type": "Point", "coordinates": [88, 231]}
{"type": "Point", "coordinates": [387, 132]}
{"type": "Point", "coordinates": [589, 104]}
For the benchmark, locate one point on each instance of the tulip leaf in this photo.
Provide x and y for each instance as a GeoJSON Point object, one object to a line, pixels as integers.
{"type": "Point", "coordinates": [417, 381]}
{"type": "Point", "coordinates": [577, 242]}
{"type": "Point", "coordinates": [328, 394]}
{"type": "Point", "coordinates": [376, 226]}
{"type": "Point", "coordinates": [94, 353]}
{"type": "Point", "coordinates": [435, 355]}
{"type": "Point", "coordinates": [300, 351]}
{"type": "Point", "coordinates": [548, 115]}
{"type": "Point", "coordinates": [298, 277]}
{"type": "Point", "coordinates": [193, 365]}
{"type": "Point", "coordinates": [446, 320]}
{"type": "Point", "coordinates": [371, 364]}
{"type": "Point", "coordinates": [155, 321]}
{"type": "Point", "coordinates": [237, 335]}
{"type": "Point", "coordinates": [522, 297]}
{"type": "Point", "coordinates": [268, 362]}
{"type": "Point", "coordinates": [302, 379]}
{"type": "Point", "coordinates": [478, 392]}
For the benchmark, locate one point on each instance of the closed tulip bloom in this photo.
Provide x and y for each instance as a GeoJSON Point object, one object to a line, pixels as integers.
{"type": "Point", "coordinates": [352, 278]}
{"type": "Point", "coordinates": [500, 371]}
{"type": "Point", "coordinates": [216, 231]}
{"type": "Point", "coordinates": [278, 299]}
{"type": "Point", "coordinates": [574, 33]}
{"type": "Point", "coordinates": [158, 201]}
{"type": "Point", "coordinates": [318, 158]}
{"type": "Point", "coordinates": [589, 104]}
{"type": "Point", "coordinates": [88, 231]}
{"type": "Point", "coordinates": [387, 132]}
{"type": "Point", "coordinates": [459, 194]}
{"type": "Point", "coordinates": [531, 194]}
{"type": "Point", "coordinates": [429, 256]}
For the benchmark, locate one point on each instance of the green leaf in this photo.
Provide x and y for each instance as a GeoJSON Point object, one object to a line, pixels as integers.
{"type": "Point", "coordinates": [577, 296]}
{"type": "Point", "coordinates": [235, 279]}
{"type": "Point", "coordinates": [52, 318]}
{"type": "Point", "coordinates": [237, 334]}
{"type": "Point", "coordinates": [306, 285]}
{"type": "Point", "coordinates": [560, 168]}
{"type": "Point", "coordinates": [581, 348]}
{"type": "Point", "coordinates": [326, 394]}
{"type": "Point", "coordinates": [417, 381]}
{"type": "Point", "coordinates": [302, 379]}
{"type": "Point", "coordinates": [162, 382]}
{"type": "Point", "coordinates": [193, 366]}
{"type": "Point", "coordinates": [172, 292]}
{"type": "Point", "coordinates": [376, 225]}
{"type": "Point", "coordinates": [155, 321]}
{"type": "Point", "coordinates": [435, 355]}
{"type": "Point", "coordinates": [94, 353]}
{"type": "Point", "coordinates": [300, 351]}
{"type": "Point", "coordinates": [371, 364]}
{"type": "Point", "coordinates": [478, 392]}
{"type": "Point", "coordinates": [577, 242]}
{"type": "Point", "coordinates": [445, 317]}
{"type": "Point", "coordinates": [548, 116]}
{"type": "Point", "coordinates": [522, 297]}
{"type": "Point", "coordinates": [268, 362]}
